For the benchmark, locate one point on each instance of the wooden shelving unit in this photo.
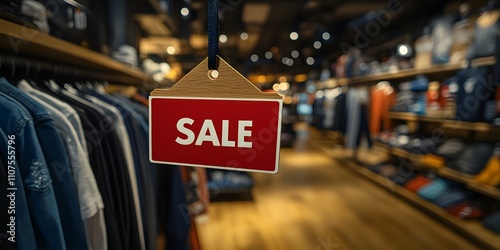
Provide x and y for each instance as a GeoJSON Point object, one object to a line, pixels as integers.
{"type": "Point", "coordinates": [445, 123]}
{"type": "Point", "coordinates": [448, 173]}
{"type": "Point", "coordinates": [25, 41]}
{"type": "Point", "coordinates": [435, 70]}
{"type": "Point", "coordinates": [472, 230]}
{"type": "Point", "coordinates": [486, 190]}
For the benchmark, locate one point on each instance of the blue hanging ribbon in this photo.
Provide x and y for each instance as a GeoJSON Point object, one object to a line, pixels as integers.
{"type": "Point", "coordinates": [213, 33]}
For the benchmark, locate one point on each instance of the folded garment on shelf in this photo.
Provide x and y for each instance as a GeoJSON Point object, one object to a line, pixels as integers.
{"type": "Point", "coordinates": [400, 141]}
{"type": "Point", "coordinates": [417, 183]}
{"type": "Point", "coordinates": [473, 159]}
{"type": "Point", "coordinates": [490, 111]}
{"type": "Point", "coordinates": [228, 180]}
{"type": "Point", "coordinates": [386, 136]}
{"type": "Point", "coordinates": [492, 222]}
{"type": "Point", "coordinates": [403, 177]}
{"type": "Point", "coordinates": [451, 197]}
{"type": "Point", "coordinates": [433, 190]}
{"type": "Point", "coordinates": [451, 149]}
{"type": "Point", "coordinates": [420, 83]}
{"type": "Point", "coordinates": [465, 210]}
{"type": "Point", "coordinates": [423, 146]}
{"type": "Point", "coordinates": [404, 98]}
{"type": "Point", "coordinates": [490, 175]}
{"type": "Point", "coordinates": [419, 104]}
{"type": "Point", "coordinates": [38, 12]}
{"type": "Point", "coordinates": [433, 161]}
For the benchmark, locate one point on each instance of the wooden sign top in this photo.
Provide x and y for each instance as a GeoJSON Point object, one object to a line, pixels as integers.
{"type": "Point", "coordinates": [229, 84]}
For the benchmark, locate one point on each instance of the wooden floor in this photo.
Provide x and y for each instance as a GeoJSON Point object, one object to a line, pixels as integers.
{"type": "Point", "coordinates": [314, 203]}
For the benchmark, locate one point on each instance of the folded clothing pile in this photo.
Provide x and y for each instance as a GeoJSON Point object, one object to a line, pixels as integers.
{"type": "Point", "coordinates": [220, 180]}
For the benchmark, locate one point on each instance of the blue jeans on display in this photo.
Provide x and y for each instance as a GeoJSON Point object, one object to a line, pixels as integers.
{"type": "Point", "coordinates": [473, 93]}
{"type": "Point", "coordinates": [56, 156]}
{"type": "Point", "coordinates": [33, 171]}
{"type": "Point", "coordinates": [451, 198]}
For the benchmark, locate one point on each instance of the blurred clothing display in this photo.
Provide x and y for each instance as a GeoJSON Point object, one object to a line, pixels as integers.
{"type": "Point", "coordinates": [490, 175]}
{"type": "Point", "coordinates": [38, 12]}
{"type": "Point", "coordinates": [357, 120]}
{"type": "Point", "coordinates": [92, 184]}
{"type": "Point", "coordinates": [462, 36]}
{"type": "Point", "coordinates": [493, 222]}
{"type": "Point", "coordinates": [383, 98]}
{"type": "Point", "coordinates": [484, 43]}
{"type": "Point", "coordinates": [423, 50]}
{"type": "Point", "coordinates": [474, 90]}
{"type": "Point", "coordinates": [442, 39]}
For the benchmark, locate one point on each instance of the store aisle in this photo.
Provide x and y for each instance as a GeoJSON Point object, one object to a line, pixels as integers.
{"type": "Point", "coordinates": [314, 203]}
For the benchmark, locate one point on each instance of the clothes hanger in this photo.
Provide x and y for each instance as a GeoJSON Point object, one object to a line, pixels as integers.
{"type": "Point", "coordinates": [34, 81]}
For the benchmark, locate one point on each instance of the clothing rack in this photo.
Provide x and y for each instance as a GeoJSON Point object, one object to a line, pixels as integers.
{"type": "Point", "coordinates": [13, 66]}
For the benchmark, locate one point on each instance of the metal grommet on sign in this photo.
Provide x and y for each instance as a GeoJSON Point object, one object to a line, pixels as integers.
{"type": "Point", "coordinates": [213, 74]}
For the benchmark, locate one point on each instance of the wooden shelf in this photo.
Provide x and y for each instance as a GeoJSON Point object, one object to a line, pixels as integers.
{"type": "Point", "coordinates": [400, 152]}
{"type": "Point", "coordinates": [492, 192]}
{"type": "Point", "coordinates": [33, 43]}
{"type": "Point", "coordinates": [472, 230]}
{"type": "Point", "coordinates": [448, 173]}
{"type": "Point", "coordinates": [455, 175]}
{"type": "Point", "coordinates": [409, 73]}
{"type": "Point", "coordinates": [446, 123]}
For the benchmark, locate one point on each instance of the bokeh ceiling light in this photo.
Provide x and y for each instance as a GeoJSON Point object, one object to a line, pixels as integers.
{"type": "Point", "coordinates": [269, 55]}
{"type": "Point", "coordinates": [300, 78]}
{"type": "Point", "coordinates": [310, 61]}
{"type": "Point", "coordinates": [223, 38]}
{"type": "Point", "coordinates": [284, 86]}
{"type": "Point", "coordinates": [171, 50]}
{"type": "Point", "coordinates": [261, 79]}
{"type": "Point", "coordinates": [405, 50]}
{"type": "Point", "coordinates": [295, 54]}
{"type": "Point", "coordinates": [184, 11]}
{"type": "Point", "coordinates": [317, 45]}
{"type": "Point", "coordinates": [294, 35]}
{"type": "Point", "coordinates": [285, 60]}
{"type": "Point", "coordinates": [276, 87]}
{"type": "Point", "coordinates": [283, 79]}
{"type": "Point", "coordinates": [254, 58]}
{"type": "Point", "coordinates": [244, 36]}
{"type": "Point", "coordinates": [326, 36]}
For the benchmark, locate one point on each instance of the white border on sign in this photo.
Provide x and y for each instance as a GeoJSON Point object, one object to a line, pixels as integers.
{"type": "Point", "coordinates": [278, 141]}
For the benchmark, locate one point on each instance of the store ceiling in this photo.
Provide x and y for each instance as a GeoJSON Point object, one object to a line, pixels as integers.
{"type": "Point", "coordinates": [269, 24]}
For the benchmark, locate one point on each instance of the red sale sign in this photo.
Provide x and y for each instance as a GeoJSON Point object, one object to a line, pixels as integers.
{"type": "Point", "coordinates": [227, 133]}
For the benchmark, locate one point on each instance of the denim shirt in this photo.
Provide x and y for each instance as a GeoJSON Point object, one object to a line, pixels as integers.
{"type": "Point", "coordinates": [484, 42]}
{"type": "Point", "coordinates": [24, 227]}
{"type": "Point", "coordinates": [88, 193]}
{"type": "Point", "coordinates": [58, 163]}
{"type": "Point", "coordinates": [33, 171]}
{"type": "Point", "coordinates": [65, 108]}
